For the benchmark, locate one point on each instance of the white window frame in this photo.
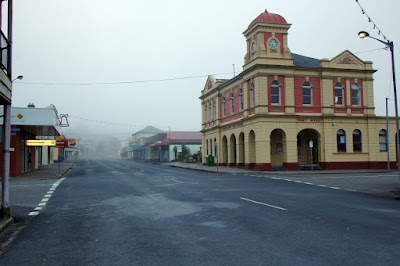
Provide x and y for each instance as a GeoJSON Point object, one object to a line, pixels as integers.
{"type": "Point", "coordinates": [307, 85]}
{"type": "Point", "coordinates": [341, 88]}
{"type": "Point", "coordinates": [279, 92]}
{"type": "Point", "coordinates": [356, 87]}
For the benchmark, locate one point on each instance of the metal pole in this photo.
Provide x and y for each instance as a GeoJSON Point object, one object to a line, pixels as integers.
{"type": "Point", "coordinates": [311, 160]}
{"type": "Point", "coordinates": [387, 135]}
{"type": "Point", "coordinates": [391, 46]}
{"type": "Point", "coordinates": [5, 197]}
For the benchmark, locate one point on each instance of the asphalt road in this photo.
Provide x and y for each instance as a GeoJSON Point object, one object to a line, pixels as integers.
{"type": "Point", "coordinates": [117, 212]}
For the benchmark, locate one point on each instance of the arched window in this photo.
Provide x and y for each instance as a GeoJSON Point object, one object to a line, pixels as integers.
{"type": "Point", "coordinates": [341, 140]}
{"type": "Point", "coordinates": [357, 145]}
{"type": "Point", "coordinates": [241, 100]}
{"type": "Point", "coordinates": [339, 94]}
{"type": "Point", "coordinates": [275, 92]}
{"type": "Point", "coordinates": [223, 106]}
{"type": "Point", "coordinates": [232, 104]}
{"type": "Point", "coordinates": [355, 95]}
{"type": "Point", "coordinates": [382, 140]}
{"type": "Point", "coordinates": [307, 93]}
{"type": "Point", "coordinates": [252, 95]}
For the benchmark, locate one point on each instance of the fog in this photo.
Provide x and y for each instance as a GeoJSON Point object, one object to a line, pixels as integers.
{"type": "Point", "coordinates": [117, 67]}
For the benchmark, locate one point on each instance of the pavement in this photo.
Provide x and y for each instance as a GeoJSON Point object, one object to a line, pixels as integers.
{"type": "Point", "coordinates": [380, 182]}
{"type": "Point", "coordinates": [27, 191]}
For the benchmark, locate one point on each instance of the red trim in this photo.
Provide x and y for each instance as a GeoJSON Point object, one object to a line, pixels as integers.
{"type": "Point", "coordinates": [263, 167]}
{"type": "Point", "coordinates": [356, 165]}
{"type": "Point", "coordinates": [291, 166]}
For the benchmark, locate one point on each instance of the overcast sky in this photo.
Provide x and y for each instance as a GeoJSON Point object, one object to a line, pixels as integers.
{"type": "Point", "coordinates": [99, 41]}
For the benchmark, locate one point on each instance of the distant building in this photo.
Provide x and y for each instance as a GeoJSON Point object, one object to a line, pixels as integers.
{"type": "Point", "coordinates": [289, 111]}
{"type": "Point", "coordinates": [166, 146]}
{"type": "Point", "coordinates": [139, 137]}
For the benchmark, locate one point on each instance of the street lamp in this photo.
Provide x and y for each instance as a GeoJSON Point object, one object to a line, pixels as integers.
{"type": "Point", "coordinates": [19, 77]}
{"type": "Point", "coordinates": [390, 45]}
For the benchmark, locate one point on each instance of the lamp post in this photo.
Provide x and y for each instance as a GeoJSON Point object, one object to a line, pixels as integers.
{"type": "Point", "coordinates": [390, 45]}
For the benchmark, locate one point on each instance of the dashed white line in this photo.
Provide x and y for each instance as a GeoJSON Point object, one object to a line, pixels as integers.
{"type": "Point", "coordinates": [177, 181]}
{"type": "Point", "coordinates": [46, 198]}
{"type": "Point", "coordinates": [335, 188]}
{"type": "Point", "coordinates": [265, 204]}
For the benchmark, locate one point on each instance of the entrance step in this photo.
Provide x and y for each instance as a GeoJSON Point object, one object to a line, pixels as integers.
{"type": "Point", "coordinates": [307, 167]}
{"type": "Point", "coordinates": [278, 168]}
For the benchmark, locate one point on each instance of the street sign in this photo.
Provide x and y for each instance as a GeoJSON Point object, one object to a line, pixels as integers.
{"type": "Point", "coordinates": [61, 143]}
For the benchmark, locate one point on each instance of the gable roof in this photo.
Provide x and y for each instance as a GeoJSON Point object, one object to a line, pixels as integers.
{"type": "Point", "coordinates": [149, 129]}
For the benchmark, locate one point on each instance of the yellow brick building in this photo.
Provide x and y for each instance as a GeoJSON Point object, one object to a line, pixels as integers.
{"type": "Point", "coordinates": [269, 115]}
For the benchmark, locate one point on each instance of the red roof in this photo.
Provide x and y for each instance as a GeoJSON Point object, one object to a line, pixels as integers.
{"type": "Point", "coordinates": [268, 18]}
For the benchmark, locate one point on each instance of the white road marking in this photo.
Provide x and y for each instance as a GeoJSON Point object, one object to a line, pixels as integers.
{"type": "Point", "coordinates": [290, 180]}
{"type": "Point", "coordinates": [46, 198]}
{"type": "Point", "coordinates": [322, 185]}
{"type": "Point", "coordinates": [308, 183]}
{"type": "Point", "coordinates": [177, 181]}
{"type": "Point", "coordinates": [334, 188]}
{"type": "Point", "coordinates": [265, 204]}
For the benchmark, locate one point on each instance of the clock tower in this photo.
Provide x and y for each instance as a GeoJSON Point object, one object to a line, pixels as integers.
{"type": "Point", "coordinates": [266, 39]}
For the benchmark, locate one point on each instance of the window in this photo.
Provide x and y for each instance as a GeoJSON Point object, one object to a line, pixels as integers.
{"type": "Point", "coordinates": [341, 140]}
{"type": "Point", "coordinates": [223, 106]}
{"type": "Point", "coordinates": [211, 147]}
{"type": "Point", "coordinates": [205, 113]}
{"type": "Point", "coordinates": [356, 140]}
{"type": "Point", "coordinates": [215, 147]}
{"type": "Point", "coordinates": [355, 94]}
{"type": "Point", "coordinates": [214, 110]}
{"type": "Point", "coordinates": [252, 96]}
{"type": "Point", "coordinates": [209, 112]}
{"type": "Point", "coordinates": [275, 92]}
{"type": "Point", "coordinates": [339, 94]}
{"type": "Point", "coordinates": [241, 100]}
{"type": "Point", "coordinates": [382, 140]}
{"type": "Point", "coordinates": [307, 97]}
{"type": "Point", "coordinates": [207, 145]}
{"type": "Point", "coordinates": [232, 104]}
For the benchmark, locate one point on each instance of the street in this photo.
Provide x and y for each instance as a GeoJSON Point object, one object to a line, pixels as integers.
{"type": "Point", "coordinates": [120, 212]}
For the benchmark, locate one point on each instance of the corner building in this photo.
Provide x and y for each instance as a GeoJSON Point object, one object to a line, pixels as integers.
{"type": "Point", "coordinates": [288, 111]}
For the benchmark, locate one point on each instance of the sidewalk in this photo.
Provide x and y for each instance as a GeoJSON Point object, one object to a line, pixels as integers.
{"type": "Point", "coordinates": [376, 182]}
{"type": "Point", "coordinates": [27, 190]}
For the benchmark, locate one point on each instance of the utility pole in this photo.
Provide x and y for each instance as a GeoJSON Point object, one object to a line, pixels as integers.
{"type": "Point", "coordinates": [5, 197]}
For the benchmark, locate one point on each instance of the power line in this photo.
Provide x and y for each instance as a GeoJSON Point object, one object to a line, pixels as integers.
{"type": "Point", "coordinates": [112, 123]}
{"type": "Point", "coordinates": [119, 82]}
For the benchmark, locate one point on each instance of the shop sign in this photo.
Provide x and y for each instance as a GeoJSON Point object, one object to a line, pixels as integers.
{"type": "Point", "coordinates": [39, 142]}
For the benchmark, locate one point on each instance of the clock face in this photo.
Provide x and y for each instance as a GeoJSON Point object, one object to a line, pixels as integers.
{"type": "Point", "coordinates": [253, 47]}
{"type": "Point", "coordinates": [273, 44]}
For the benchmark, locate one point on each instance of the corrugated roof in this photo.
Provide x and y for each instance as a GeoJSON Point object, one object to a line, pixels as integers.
{"type": "Point", "coordinates": [304, 61]}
